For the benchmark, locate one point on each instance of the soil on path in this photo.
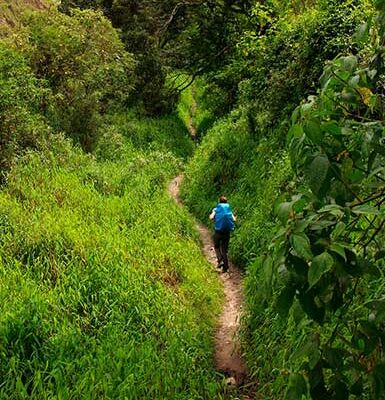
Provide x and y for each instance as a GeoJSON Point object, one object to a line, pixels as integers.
{"type": "Point", "coordinates": [228, 358]}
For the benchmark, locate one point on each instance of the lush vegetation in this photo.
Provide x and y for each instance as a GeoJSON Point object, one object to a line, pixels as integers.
{"type": "Point", "coordinates": [104, 290]}
{"type": "Point", "coordinates": [102, 272]}
{"type": "Point", "coordinates": [169, 35]}
{"type": "Point", "coordinates": [307, 184]}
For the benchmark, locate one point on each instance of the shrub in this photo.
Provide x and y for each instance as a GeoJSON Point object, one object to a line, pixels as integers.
{"type": "Point", "coordinates": [85, 64]}
{"type": "Point", "coordinates": [21, 98]}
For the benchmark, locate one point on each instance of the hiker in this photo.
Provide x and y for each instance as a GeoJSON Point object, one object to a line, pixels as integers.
{"type": "Point", "coordinates": [224, 219]}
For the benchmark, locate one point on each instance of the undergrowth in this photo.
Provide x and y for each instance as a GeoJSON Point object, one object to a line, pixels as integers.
{"type": "Point", "coordinates": [105, 293]}
{"type": "Point", "coordinates": [244, 156]}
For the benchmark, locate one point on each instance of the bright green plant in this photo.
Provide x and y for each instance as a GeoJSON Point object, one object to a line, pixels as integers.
{"type": "Point", "coordinates": [166, 133]}
{"type": "Point", "coordinates": [328, 257]}
{"type": "Point", "coordinates": [105, 291]}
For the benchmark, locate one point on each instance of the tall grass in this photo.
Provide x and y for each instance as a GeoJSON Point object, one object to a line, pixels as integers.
{"type": "Point", "coordinates": [252, 173]}
{"type": "Point", "coordinates": [104, 291]}
{"type": "Point", "coordinates": [167, 133]}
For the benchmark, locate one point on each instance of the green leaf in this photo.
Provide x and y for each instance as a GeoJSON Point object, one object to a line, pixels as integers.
{"type": "Point", "coordinates": [297, 388]}
{"type": "Point", "coordinates": [313, 131]}
{"type": "Point", "coordinates": [319, 266]}
{"type": "Point", "coordinates": [285, 300]}
{"type": "Point", "coordinates": [350, 63]}
{"type": "Point", "coordinates": [331, 127]}
{"type": "Point", "coordinates": [306, 108]}
{"type": "Point", "coordinates": [295, 115]}
{"type": "Point", "coordinates": [365, 209]}
{"type": "Point", "coordinates": [283, 212]}
{"type": "Point", "coordinates": [338, 249]}
{"type": "Point", "coordinates": [333, 209]}
{"type": "Point", "coordinates": [308, 304]}
{"type": "Point", "coordinates": [354, 81]}
{"type": "Point", "coordinates": [301, 245]}
{"type": "Point", "coordinates": [268, 270]}
{"type": "Point", "coordinates": [317, 173]}
{"type": "Point", "coordinates": [295, 131]}
{"type": "Point", "coordinates": [339, 229]}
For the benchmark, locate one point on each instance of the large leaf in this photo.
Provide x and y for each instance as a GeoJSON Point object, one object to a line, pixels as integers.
{"type": "Point", "coordinates": [308, 304]}
{"type": "Point", "coordinates": [285, 300]}
{"type": "Point", "coordinates": [295, 131]}
{"type": "Point", "coordinates": [301, 245]}
{"type": "Point", "coordinates": [365, 209]}
{"type": "Point", "coordinates": [338, 249]}
{"type": "Point", "coordinates": [319, 266]}
{"type": "Point", "coordinates": [313, 131]}
{"type": "Point", "coordinates": [317, 174]}
{"type": "Point", "coordinates": [297, 388]}
{"type": "Point", "coordinates": [283, 212]}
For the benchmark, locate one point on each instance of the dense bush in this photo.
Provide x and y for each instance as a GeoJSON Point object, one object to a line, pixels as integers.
{"type": "Point", "coordinates": [85, 65]}
{"type": "Point", "coordinates": [244, 156]}
{"type": "Point", "coordinates": [59, 73]}
{"type": "Point", "coordinates": [21, 99]}
{"type": "Point", "coordinates": [327, 262]}
{"type": "Point", "coordinates": [287, 61]}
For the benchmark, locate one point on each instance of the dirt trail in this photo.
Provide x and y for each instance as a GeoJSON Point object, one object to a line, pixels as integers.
{"type": "Point", "coordinates": [228, 358]}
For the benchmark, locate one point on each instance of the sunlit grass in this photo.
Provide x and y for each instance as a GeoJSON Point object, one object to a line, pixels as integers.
{"type": "Point", "coordinates": [104, 290]}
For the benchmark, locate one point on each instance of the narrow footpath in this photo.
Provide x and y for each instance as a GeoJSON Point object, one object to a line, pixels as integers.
{"type": "Point", "coordinates": [228, 358]}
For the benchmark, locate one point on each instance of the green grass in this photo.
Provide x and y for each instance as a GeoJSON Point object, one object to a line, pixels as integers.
{"type": "Point", "coordinates": [192, 108]}
{"type": "Point", "coordinates": [104, 290]}
{"type": "Point", "coordinates": [165, 134]}
{"type": "Point", "coordinates": [185, 104]}
{"type": "Point", "coordinates": [252, 174]}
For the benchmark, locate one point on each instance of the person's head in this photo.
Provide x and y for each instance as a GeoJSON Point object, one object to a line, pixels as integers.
{"type": "Point", "coordinates": [223, 199]}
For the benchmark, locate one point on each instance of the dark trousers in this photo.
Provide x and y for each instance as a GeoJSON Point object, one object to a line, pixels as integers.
{"type": "Point", "coordinates": [221, 245]}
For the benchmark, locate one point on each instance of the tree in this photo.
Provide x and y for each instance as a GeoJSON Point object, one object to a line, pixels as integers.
{"type": "Point", "coordinates": [85, 65]}
{"type": "Point", "coordinates": [192, 35]}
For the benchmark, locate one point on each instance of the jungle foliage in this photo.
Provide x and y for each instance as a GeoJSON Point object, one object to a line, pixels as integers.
{"type": "Point", "coordinates": [104, 291]}
{"type": "Point", "coordinates": [287, 100]}
{"type": "Point", "coordinates": [307, 184]}
{"type": "Point", "coordinates": [192, 36]}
